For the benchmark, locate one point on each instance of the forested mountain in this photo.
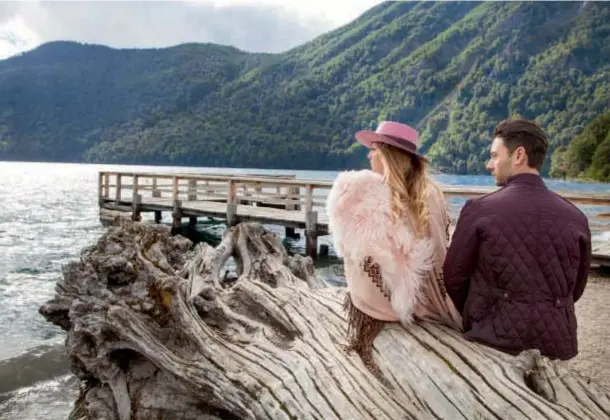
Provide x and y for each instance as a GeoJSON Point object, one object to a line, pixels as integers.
{"type": "Point", "coordinates": [453, 69]}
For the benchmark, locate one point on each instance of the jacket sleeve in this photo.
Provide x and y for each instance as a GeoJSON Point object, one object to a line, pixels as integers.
{"type": "Point", "coordinates": [462, 255]}
{"type": "Point", "coordinates": [585, 262]}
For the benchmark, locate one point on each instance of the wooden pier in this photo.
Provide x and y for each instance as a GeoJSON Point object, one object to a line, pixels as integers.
{"type": "Point", "coordinates": [269, 199]}
{"type": "Point", "coordinates": [276, 199]}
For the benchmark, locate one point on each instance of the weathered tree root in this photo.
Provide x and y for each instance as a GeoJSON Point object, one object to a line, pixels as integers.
{"type": "Point", "coordinates": [156, 333]}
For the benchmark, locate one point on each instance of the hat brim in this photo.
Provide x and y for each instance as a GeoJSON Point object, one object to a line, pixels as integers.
{"type": "Point", "coordinates": [367, 138]}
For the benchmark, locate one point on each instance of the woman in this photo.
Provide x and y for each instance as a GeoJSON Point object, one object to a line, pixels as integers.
{"type": "Point", "coordinates": [391, 226]}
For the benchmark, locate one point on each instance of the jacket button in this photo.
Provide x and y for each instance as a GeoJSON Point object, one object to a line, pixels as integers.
{"type": "Point", "coordinates": [557, 302]}
{"type": "Point", "coordinates": [505, 295]}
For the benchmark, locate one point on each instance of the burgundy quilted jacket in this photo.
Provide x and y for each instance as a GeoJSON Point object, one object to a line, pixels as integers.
{"type": "Point", "coordinates": [518, 260]}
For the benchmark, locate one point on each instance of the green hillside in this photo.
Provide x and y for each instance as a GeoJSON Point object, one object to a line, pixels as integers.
{"type": "Point", "coordinates": [588, 155]}
{"type": "Point", "coordinates": [452, 69]}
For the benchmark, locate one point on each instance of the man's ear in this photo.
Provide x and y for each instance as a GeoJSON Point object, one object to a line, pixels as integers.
{"type": "Point", "coordinates": [520, 156]}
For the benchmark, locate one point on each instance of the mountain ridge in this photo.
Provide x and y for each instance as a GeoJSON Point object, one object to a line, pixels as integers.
{"type": "Point", "coordinates": [452, 69]}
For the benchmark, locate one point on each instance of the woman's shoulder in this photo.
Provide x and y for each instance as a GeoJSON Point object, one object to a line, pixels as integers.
{"type": "Point", "coordinates": [358, 186]}
{"type": "Point", "coordinates": [357, 192]}
{"type": "Point", "coordinates": [357, 178]}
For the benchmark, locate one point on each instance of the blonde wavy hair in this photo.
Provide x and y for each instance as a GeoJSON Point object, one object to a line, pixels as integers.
{"type": "Point", "coordinates": [410, 186]}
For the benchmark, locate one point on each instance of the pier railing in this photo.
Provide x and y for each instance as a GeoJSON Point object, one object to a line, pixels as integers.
{"type": "Point", "coordinates": [274, 191]}
{"type": "Point", "coordinates": [274, 199]}
{"type": "Point", "coordinates": [278, 191]}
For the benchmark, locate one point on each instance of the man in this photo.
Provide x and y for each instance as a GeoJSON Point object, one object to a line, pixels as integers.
{"type": "Point", "coordinates": [519, 257]}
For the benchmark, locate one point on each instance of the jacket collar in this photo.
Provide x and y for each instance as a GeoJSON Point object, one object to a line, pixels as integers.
{"type": "Point", "coordinates": [529, 179]}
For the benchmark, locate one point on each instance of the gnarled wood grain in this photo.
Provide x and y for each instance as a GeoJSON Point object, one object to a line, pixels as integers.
{"type": "Point", "coordinates": [156, 330]}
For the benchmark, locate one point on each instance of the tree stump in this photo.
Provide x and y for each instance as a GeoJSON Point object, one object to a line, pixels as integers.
{"type": "Point", "coordinates": [156, 330]}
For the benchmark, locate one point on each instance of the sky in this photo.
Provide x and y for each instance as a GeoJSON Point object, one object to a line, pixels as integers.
{"type": "Point", "coordinates": [251, 25]}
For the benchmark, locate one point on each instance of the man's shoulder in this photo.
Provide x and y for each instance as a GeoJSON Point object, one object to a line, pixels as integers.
{"type": "Point", "coordinates": [570, 207]}
{"type": "Point", "coordinates": [485, 200]}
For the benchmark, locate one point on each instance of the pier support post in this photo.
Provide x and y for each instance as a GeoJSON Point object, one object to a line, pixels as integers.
{"type": "Point", "coordinates": [192, 190]}
{"type": "Point", "coordinates": [231, 212]}
{"type": "Point", "coordinates": [106, 185]}
{"type": "Point", "coordinates": [231, 204]}
{"type": "Point", "coordinates": [192, 220]}
{"type": "Point", "coordinates": [117, 198]}
{"type": "Point", "coordinates": [158, 216]}
{"type": "Point", "coordinates": [311, 233]}
{"type": "Point", "coordinates": [136, 205]}
{"type": "Point", "coordinates": [292, 196]}
{"type": "Point", "coordinates": [297, 193]}
{"type": "Point", "coordinates": [100, 189]}
{"type": "Point", "coordinates": [176, 216]}
{"type": "Point", "coordinates": [155, 192]}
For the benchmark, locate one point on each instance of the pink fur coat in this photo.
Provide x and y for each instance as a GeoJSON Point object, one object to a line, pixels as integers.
{"type": "Point", "coordinates": [388, 269]}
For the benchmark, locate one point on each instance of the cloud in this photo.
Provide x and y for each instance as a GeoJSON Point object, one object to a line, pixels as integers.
{"type": "Point", "coordinates": [258, 26]}
{"type": "Point", "coordinates": [15, 36]}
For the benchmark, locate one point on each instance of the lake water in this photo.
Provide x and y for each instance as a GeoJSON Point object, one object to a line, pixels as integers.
{"type": "Point", "coordinates": [48, 213]}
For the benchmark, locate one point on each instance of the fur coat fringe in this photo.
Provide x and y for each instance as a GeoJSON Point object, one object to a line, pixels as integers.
{"type": "Point", "coordinates": [360, 222]}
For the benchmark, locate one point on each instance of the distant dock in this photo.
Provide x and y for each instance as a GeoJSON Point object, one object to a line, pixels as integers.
{"type": "Point", "coordinates": [281, 200]}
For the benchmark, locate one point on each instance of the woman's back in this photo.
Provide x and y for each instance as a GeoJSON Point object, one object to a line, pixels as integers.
{"type": "Point", "coordinates": [393, 271]}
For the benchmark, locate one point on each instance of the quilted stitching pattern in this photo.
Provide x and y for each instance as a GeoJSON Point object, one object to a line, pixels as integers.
{"type": "Point", "coordinates": [521, 293]}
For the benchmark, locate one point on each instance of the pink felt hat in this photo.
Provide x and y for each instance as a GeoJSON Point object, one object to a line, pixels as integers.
{"type": "Point", "coordinates": [395, 134]}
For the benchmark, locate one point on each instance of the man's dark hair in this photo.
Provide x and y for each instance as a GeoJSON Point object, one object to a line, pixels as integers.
{"type": "Point", "coordinates": [517, 132]}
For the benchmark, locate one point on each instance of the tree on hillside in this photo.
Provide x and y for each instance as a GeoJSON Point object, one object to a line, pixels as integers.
{"type": "Point", "coordinates": [588, 155]}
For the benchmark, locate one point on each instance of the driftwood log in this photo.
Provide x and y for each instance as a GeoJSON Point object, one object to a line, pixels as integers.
{"type": "Point", "coordinates": [156, 330]}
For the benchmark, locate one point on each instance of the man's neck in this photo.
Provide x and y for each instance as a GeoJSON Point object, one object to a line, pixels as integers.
{"type": "Point", "coordinates": [527, 177]}
{"type": "Point", "coordinates": [530, 171]}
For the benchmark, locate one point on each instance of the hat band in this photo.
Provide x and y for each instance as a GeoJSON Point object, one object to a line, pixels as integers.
{"type": "Point", "coordinates": [407, 144]}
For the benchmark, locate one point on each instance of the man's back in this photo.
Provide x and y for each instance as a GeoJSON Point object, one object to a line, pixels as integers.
{"type": "Point", "coordinates": [519, 262]}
